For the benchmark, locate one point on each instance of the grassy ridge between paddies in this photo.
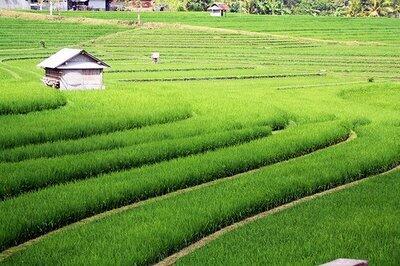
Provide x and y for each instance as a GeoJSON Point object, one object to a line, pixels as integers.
{"type": "Point", "coordinates": [152, 231]}
{"type": "Point", "coordinates": [17, 98]}
{"type": "Point", "coordinates": [17, 178]}
{"type": "Point", "coordinates": [35, 213]}
{"type": "Point", "coordinates": [359, 222]}
{"type": "Point", "coordinates": [179, 129]}
{"type": "Point", "coordinates": [90, 113]}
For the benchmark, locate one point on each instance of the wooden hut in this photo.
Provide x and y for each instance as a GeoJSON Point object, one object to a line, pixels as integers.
{"type": "Point", "coordinates": [71, 69]}
{"type": "Point", "coordinates": [218, 9]}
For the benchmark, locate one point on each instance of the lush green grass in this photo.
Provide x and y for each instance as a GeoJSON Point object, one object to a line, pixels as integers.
{"type": "Point", "coordinates": [360, 222]}
{"type": "Point", "coordinates": [17, 98]}
{"type": "Point", "coordinates": [192, 122]}
{"type": "Point", "coordinates": [178, 129]}
{"type": "Point", "coordinates": [18, 178]}
{"type": "Point", "coordinates": [149, 232]}
{"type": "Point", "coordinates": [28, 215]}
{"type": "Point", "coordinates": [86, 114]}
{"type": "Point", "coordinates": [375, 96]}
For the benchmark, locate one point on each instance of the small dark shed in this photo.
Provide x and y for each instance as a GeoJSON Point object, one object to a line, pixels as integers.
{"type": "Point", "coordinates": [71, 69]}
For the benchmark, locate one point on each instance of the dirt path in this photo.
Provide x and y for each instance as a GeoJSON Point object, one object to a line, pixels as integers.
{"type": "Point", "coordinates": [8, 252]}
{"type": "Point", "coordinates": [206, 240]}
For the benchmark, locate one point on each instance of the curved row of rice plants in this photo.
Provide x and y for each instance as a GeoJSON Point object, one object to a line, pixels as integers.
{"type": "Point", "coordinates": [174, 151]}
{"type": "Point", "coordinates": [265, 240]}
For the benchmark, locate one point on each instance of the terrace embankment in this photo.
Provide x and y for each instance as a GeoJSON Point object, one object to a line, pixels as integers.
{"type": "Point", "coordinates": [172, 259]}
{"type": "Point", "coordinates": [205, 167]}
{"type": "Point", "coordinates": [257, 192]}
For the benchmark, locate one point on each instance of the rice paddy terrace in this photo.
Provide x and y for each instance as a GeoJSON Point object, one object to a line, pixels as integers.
{"type": "Point", "coordinates": [199, 158]}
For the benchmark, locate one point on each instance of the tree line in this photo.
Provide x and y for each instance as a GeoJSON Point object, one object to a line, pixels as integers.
{"type": "Point", "coordinates": [355, 8]}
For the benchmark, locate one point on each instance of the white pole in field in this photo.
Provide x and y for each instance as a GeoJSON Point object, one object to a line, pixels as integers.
{"type": "Point", "coordinates": [139, 11]}
{"type": "Point", "coordinates": [51, 8]}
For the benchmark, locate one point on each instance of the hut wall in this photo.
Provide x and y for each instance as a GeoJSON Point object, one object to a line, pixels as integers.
{"type": "Point", "coordinates": [52, 77]}
{"type": "Point", "coordinates": [53, 73]}
{"type": "Point", "coordinates": [73, 79]}
{"type": "Point", "coordinates": [216, 13]}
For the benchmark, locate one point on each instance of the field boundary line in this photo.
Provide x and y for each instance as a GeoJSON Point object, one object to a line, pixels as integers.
{"type": "Point", "coordinates": [11, 251]}
{"type": "Point", "coordinates": [143, 70]}
{"type": "Point", "coordinates": [317, 74]}
{"type": "Point", "coordinates": [319, 85]}
{"type": "Point", "coordinates": [172, 259]}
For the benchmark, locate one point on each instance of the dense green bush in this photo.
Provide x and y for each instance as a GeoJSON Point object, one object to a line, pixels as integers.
{"type": "Point", "coordinates": [266, 7]}
{"type": "Point", "coordinates": [319, 7]}
{"type": "Point", "coordinates": [373, 8]}
{"type": "Point", "coordinates": [235, 7]}
{"type": "Point", "coordinates": [198, 5]}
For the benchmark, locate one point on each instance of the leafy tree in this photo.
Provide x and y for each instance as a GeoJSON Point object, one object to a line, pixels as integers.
{"type": "Point", "coordinates": [319, 7]}
{"type": "Point", "coordinates": [235, 7]}
{"type": "Point", "coordinates": [198, 5]}
{"type": "Point", "coordinates": [381, 8]}
{"type": "Point", "coordinates": [314, 7]}
{"type": "Point", "coordinates": [269, 7]}
{"type": "Point", "coordinates": [373, 8]}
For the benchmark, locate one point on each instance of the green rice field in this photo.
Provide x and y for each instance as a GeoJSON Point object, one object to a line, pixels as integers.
{"type": "Point", "coordinates": [243, 114]}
